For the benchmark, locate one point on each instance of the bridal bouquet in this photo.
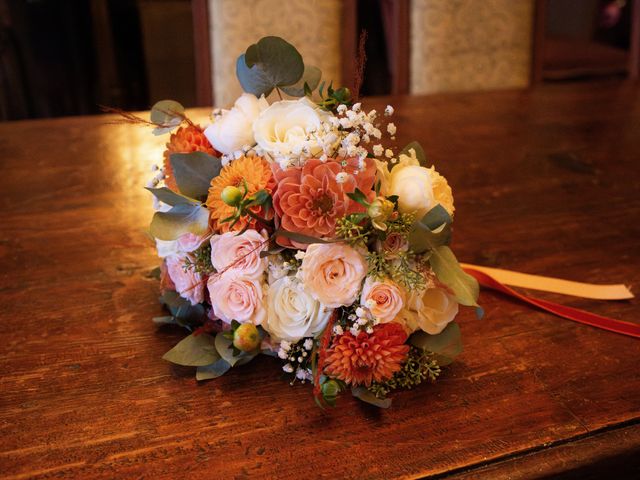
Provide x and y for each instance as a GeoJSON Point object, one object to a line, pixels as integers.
{"type": "Point", "coordinates": [295, 229]}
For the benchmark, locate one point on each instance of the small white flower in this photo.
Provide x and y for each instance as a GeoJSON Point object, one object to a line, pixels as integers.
{"type": "Point", "coordinates": [378, 150]}
{"type": "Point", "coordinates": [324, 158]}
{"type": "Point", "coordinates": [345, 123]}
{"type": "Point", "coordinates": [354, 331]}
{"type": "Point", "coordinates": [288, 368]}
{"type": "Point", "coordinates": [388, 111]}
{"type": "Point", "coordinates": [377, 133]}
{"type": "Point", "coordinates": [370, 303]}
{"type": "Point", "coordinates": [362, 321]}
{"type": "Point", "coordinates": [356, 107]}
{"type": "Point", "coordinates": [391, 128]}
{"type": "Point", "coordinates": [285, 345]}
{"type": "Point", "coordinates": [308, 344]}
{"type": "Point", "coordinates": [360, 312]}
{"type": "Point", "coordinates": [299, 255]}
{"type": "Point", "coordinates": [342, 177]}
{"type": "Point", "coordinates": [388, 153]}
{"type": "Point", "coordinates": [341, 108]}
{"type": "Point", "coordinates": [282, 354]}
{"type": "Point", "coordinates": [338, 330]}
{"type": "Point", "coordinates": [154, 167]}
{"type": "Point", "coordinates": [300, 359]}
{"type": "Point", "coordinates": [369, 330]}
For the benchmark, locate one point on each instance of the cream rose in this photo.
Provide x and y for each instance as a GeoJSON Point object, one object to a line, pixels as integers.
{"type": "Point", "coordinates": [237, 297]}
{"type": "Point", "coordinates": [433, 309]}
{"type": "Point", "coordinates": [282, 129]}
{"type": "Point", "coordinates": [384, 298]}
{"type": "Point", "coordinates": [332, 273]}
{"type": "Point", "coordinates": [188, 283]}
{"type": "Point", "coordinates": [419, 189]}
{"type": "Point", "coordinates": [241, 253]}
{"type": "Point", "coordinates": [293, 313]}
{"type": "Point", "coordinates": [232, 131]}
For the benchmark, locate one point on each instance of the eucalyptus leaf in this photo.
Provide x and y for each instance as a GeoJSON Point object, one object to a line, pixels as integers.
{"type": "Point", "coordinates": [446, 345]}
{"type": "Point", "coordinates": [420, 155]}
{"type": "Point", "coordinates": [359, 197]}
{"type": "Point", "coordinates": [194, 351]}
{"type": "Point", "coordinates": [181, 219]}
{"type": "Point", "coordinates": [193, 172]}
{"type": "Point", "coordinates": [432, 231]}
{"type": "Point", "coordinates": [184, 314]}
{"type": "Point", "coordinates": [170, 197]}
{"type": "Point", "coordinates": [165, 320]}
{"type": "Point", "coordinates": [310, 77]}
{"type": "Point", "coordinates": [167, 115]}
{"type": "Point", "coordinates": [225, 349]}
{"type": "Point", "coordinates": [271, 62]}
{"type": "Point", "coordinates": [446, 267]}
{"type": "Point", "coordinates": [361, 393]}
{"type": "Point", "coordinates": [215, 370]}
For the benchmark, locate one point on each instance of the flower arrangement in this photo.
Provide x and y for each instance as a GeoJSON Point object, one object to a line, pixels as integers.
{"type": "Point", "coordinates": [290, 229]}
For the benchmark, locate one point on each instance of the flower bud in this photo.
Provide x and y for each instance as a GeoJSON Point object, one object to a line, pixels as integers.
{"type": "Point", "coordinates": [380, 211]}
{"type": "Point", "coordinates": [330, 390]}
{"type": "Point", "coordinates": [246, 337]}
{"type": "Point", "coordinates": [231, 195]}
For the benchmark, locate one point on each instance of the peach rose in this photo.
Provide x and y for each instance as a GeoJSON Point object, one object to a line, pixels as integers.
{"type": "Point", "coordinates": [393, 245]}
{"type": "Point", "coordinates": [332, 273]}
{"type": "Point", "coordinates": [240, 253]}
{"type": "Point", "coordinates": [237, 297]}
{"type": "Point", "coordinates": [384, 299]}
{"type": "Point", "coordinates": [189, 242]}
{"type": "Point", "coordinates": [188, 283]}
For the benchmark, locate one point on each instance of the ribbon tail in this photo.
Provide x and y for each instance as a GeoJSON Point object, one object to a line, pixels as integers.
{"type": "Point", "coordinates": [574, 314]}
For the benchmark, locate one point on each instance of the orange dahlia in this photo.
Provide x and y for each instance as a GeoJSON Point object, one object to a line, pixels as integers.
{"type": "Point", "coordinates": [185, 140]}
{"type": "Point", "coordinates": [368, 357]}
{"type": "Point", "coordinates": [256, 172]}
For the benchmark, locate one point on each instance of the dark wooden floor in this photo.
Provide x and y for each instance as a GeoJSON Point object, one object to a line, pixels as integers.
{"type": "Point", "coordinates": [545, 182]}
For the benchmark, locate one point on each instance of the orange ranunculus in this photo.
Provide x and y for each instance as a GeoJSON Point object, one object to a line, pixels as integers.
{"type": "Point", "coordinates": [185, 140]}
{"type": "Point", "coordinates": [367, 358]}
{"type": "Point", "coordinates": [310, 199]}
{"type": "Point", "coordinates": [256, 172]}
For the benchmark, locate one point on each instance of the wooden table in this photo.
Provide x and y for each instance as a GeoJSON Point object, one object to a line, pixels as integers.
{"type": "Point", "coordinates": [546, 182]}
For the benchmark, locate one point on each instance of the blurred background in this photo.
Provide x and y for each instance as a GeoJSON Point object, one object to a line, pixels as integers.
{"type": "Point", "coordinates": [67, 57]}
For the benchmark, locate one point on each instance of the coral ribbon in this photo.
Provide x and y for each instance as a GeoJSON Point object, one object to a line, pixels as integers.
{"type": "Point", "coordinates": [587, 318]}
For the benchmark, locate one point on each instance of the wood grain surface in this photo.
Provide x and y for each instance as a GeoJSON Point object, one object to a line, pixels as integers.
{"type": "Point", "coordinates": [545, 182]}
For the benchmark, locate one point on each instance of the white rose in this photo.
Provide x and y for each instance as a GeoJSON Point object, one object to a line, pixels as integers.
{"type": "Point", "coordinates": [232, 131]}
{"type": "Point", "coordinates": [419, 189]}
{"type": "Point", "coordinates": [282, 129]}
{"type": "Point", "coordinates": [432, 310]}
{"type": "Point", "coordinates": [293, 313]}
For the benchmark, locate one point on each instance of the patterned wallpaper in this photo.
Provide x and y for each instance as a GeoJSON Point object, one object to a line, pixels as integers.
{"type": "Point", "coordinates": [312, 26]}
{"type": "Point", "coordinates": [461, 45]}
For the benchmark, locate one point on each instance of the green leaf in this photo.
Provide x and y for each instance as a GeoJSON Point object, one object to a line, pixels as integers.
{"type": "Point", "coordinates": [446, 345]}
{"type": "Point", "coordinates": [167, 114]}
{"type": "Point", "coordinates": [259, 198]}
{"type": "Point", "coordinates": [166, 320]}
{"type": "Point", "coordinates": [432, 231]}
{"type": "Point", "coordinates": [215, 370]}
{"type": "Point", "coordinates": [179, 220]}
{"type": "Point", "coordinates": [270, 63]}
{"type": "Point", "coordinates": [170, 197]}
{"type": "Point", "coordinates": [194, 351]}
{"type": "Point", "coordinates": [448, 270]}
{"type": "Point", "coordinates": [420, 155]}
{"type": "Point", "coordinates": [358, 196]}
{"type": "Point", "coordinates": [307, 83]}
{"type": "Point", "coordinates": [366, 396]}
{"type": "Point", "coordinates": [225, 349]}
{"type": "Point", "coordinates": [193, 172]}
{"type": "Point", "coordinates": [300, 238]}
{"type": "Point", "coordinates": [185, 314]}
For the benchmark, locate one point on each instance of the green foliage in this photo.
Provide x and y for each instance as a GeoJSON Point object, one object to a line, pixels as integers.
{"type": "Point", "coordinates": [270, 63]}
{"type": "Point", "coordinates": [215, 370]}
{"type": "Point", "coordinates": [432, 231]}
{"type": "Point", "coordinates": [351, 228]}
{"type": "Point", "coordinates": [181, 219]}
{"type": "Point", "coordinates": [166, 115]}
{"type": "Point", "coordinates": [193, 172]}
{"type": "Point", "coordinates": [307, 83]}
{"type": "Point", "coordinates": [341, 96]}
{"type": "Point", "coordinates": [170, 197]}
{"type": "Point", "coordinates": [420, 366]}
{"type": "Point", "coordinates": [193, 351]}
{"type": "Point", "coordinates": [448, 270]}
{"type": "Point", "coordinates": [182, 312]}
{"type": "Point", "coordinates": [225, 348]}
{"type": "Point", "coordinates": [446, 345]}
{"type": "Point", "coordinates": [420, 155]}
{"type": "Point", "coordinates": [200, 260]}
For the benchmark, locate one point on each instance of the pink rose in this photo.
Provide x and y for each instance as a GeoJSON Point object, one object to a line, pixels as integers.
{"type": "Point", "coordinates": [384, 298]}
{"type": "Point", "coordinates": [237, 297]}
{"type": "Point", "coordinates": [239, 253]}
{"type": "Point", "coordinates": [332, 273]}
{"type": "Point", "coordinates": [189, 242]}
{"type": "Point", "coordinates": [393, 245]}
{"type": "Point", "coordinates": [188, 283]}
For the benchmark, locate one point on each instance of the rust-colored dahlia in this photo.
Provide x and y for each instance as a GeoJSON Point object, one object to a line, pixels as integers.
{"type": "Point", "coordinates": [184, 140]}
{"type": "Point", "coordinates": [310, 199]}
{"type": "Point", "coordinates": [256, 172]}
{"type": "Point", "coordinates": [368, 357]}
